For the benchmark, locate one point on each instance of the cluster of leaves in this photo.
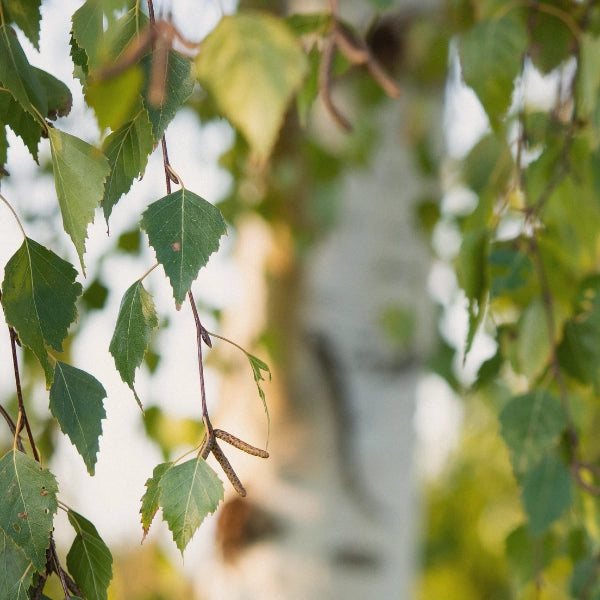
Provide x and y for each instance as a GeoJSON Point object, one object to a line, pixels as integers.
{"type": "Point", "coordinates": [529, 266]}
{"type": "Point", "coordinates": [120, 52]}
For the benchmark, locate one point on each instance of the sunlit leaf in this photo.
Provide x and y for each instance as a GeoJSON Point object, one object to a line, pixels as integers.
{"type": "Point", "coordinates": [89, 560]}
{"type": "Point", "coordinates": [184, 230]}
{"type": "Point", "coordinates": [531, 425]}
{"type": "Point", "coordinates": [27, 505]}
{"type": "Point", "coordinates": [80, 171]}
{"type": "Point", "coordinates": [76, 403]}
{"type": "Point", "coordinates": [87, 30]}
{"type": "Point", "coordinates": [252, 64]}
{"type": "Point", "coordinates": [38, 295]}
{"type": "Point", "coordinates": [491, 55]}
{"type": "Point", "coordinates": [150, 499]}
{"type": "Point", "coordinates": [16, 570]}
{"type": "Point", "coordinates": [188, 493]}
{"type": "Point", "coordinates": [19, 77]}
{"type": "Point", "coordinates": [135, 322]}
{"type": "Point", "coordinates": [127, 150]}
{"type": "Point", "coordinates": [547, 493]}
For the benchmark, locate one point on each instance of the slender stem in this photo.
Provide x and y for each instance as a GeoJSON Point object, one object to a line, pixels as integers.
{"type": "Point", "coordinates": [12, 210]}
{"type": "Point", "coordinates": [22, 414]}
{"type": "Point", "coordinates": [199, 334]}
{"type": "Point", "coordinates": [149, 271]}
{"type": "Point", "coordinates": [13, 429]}
{"type": "Point", "coordinates": [59, 569]}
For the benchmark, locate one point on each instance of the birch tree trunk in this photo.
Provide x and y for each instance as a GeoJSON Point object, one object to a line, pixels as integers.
{"type": "Point", "coordinates": [334, 511]}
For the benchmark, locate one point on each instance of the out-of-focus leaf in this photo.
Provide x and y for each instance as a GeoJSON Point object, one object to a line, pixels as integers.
{"type": "Point", "coordinates": [76, 403]}
{"type": "Point", "coordinates": [38, 295]}
{"type": "Point", "coordinates": [80, 171]}
{"type": "Point", "coordinates": [531, 425]}
{"type": "Point", "coordinates": [252, 64]}
{"type": "Point", "coordinates": [491, 55]}
{"type": "Point", "coordinates": [27, 505]}
{"type": "Point", "coordinates": [184, 230]}
{"type": "Point", "coordinates": [547, 493]}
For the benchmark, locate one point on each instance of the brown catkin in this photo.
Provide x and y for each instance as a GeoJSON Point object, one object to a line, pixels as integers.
{"type": "Point", "coordinates": [228, 469]}
{"type": "Point", "coordinates": [240, 444]}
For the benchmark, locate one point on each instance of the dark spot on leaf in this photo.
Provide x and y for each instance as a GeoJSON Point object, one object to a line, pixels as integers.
{"type": "Point", "coordinates": [176, 246]}
{"type": "Point", "coordinates": [22, 515]}
{"type": "Point", "coordinates": [16, 527]}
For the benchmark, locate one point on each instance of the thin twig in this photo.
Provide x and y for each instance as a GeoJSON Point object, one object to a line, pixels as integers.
{"type": "Point", "coordinates": [13, 429]}
{"type": "Point", "coordinates": [199, 335]}
{"type": "Point", "coordinates": [22, 414]}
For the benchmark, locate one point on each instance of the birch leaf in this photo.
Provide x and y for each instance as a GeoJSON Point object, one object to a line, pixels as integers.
{"type": "Point", "coordinates": [27, 16]}
{"type": "Point", "coordinates": [89, 560]}
{"type": "Point", "coordinates": [188, 493]}
{"type": "Point", "coordinates": [150, 499]}
{"type": "Point", "coordinates": [76, 403]}
{"type": "Point", "coordinates": [127, 150]}
{"type": "Point", "coordinates": [80, 171]}
{"type": "Point", "coordinates": [184, 230]}
{"type": "Point", "coordinates": [18, 76]}
{"type": "Point", "coordinates": [16, 571]}
{"type": "Point", "coordinates": [252, 64]}
{"type": "Point", "coordinates": [27, 505]}
{"type": "Point", "coordinates": [135, 322]}
{"type": "Point", "coordinates": [38, 295]}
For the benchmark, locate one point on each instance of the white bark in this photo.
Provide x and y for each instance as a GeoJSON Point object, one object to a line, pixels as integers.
{"type": "Point", "coordinates": [333, 513]}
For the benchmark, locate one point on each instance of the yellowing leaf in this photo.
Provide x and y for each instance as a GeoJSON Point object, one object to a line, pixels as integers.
{"type": "Point", "coordinates": [80, 171]}
{"type": "Point", "coordinates": [252, 64]}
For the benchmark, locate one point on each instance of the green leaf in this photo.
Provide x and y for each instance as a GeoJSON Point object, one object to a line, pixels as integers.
{"type": "Point", "coordinates": [547, 493]}
{"type": "Point", "coordinates": [472, 270]}
{"type": "Point", "coordinates": [26, 14]}
{"type": "Point", "coordinates": [127, 150]}
{"type": "Point", "coordinates": [87, 30]}
{"type": "Point", "coordinates": [76, 403]}
{"type": "Point", "coordinates": [588, 79]}
{"type": "Point", "coordinates": [27, 505]}
{"type": "Point", "coordinates": [58, 95]}
{"type": "Point", "coordinates": [137, 318]}
{"type": "Point", "coordinates": [19, 77]}
{"type": "Point", "coordinates": [179, 85]}
{"type": "Point", "coordinates": [579, 351]}
{"type": "Point", "coordinates": [150, 499]}
{"type": "Point", "coordinates": [101, 94]}
{"type": "Point", "coordinates": [184, 230]}
{"type": "Point", "coordinates": [89, 560]}
{"type": "Point", "coordinates": [21, 122]}
{"type": "Point", "coordinates": [188, 493]}
{"type": "Point", "coordinates": [491, 55]}
{"type": "Point", "coordinates": [252, 64]}
{"type": "Point", "coordinates": [258, 367]}
{"type": "Point", "coordinates": [531, 425]}
{"type": "Point", "coordinates": [16, 570]}
{"type": "Point", "coordinates": [38, 295]}
{"type": "Point", "coordinates": [80, 171]}
{"type": "Point", "coordinates": [533, 348]}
